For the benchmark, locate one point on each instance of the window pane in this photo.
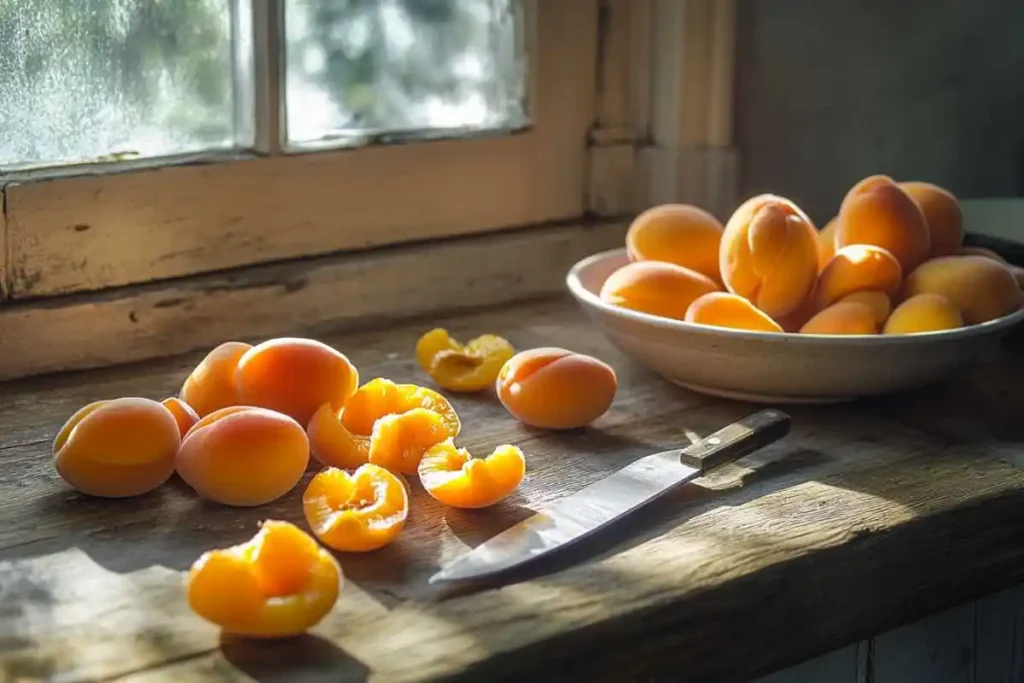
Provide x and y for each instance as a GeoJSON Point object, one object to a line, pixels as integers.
{"type": "Point", "coordinates": [358, 68]}
{"type": "Point", "coordinates": [88, 80]}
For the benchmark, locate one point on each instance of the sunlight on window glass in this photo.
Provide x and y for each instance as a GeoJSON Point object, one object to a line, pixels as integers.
{"type": "Point", "coordinates": [88, 80]}
{"type": "Point", "coordinates": [359, 67]}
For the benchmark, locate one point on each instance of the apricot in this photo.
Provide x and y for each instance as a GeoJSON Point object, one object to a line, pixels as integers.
{"type": "Point", "coordinates": [380, 397]}
{"type": "Point", "coordinates": [769, 254]}
{"type": "Point", "coordinates": [280, 583]}
{"type": "Point", "coordinates": [455, 478]}
{"type": "Point", "coordinates": [331, 444]}
{"type": "Point", "coordinates": [980, 251]}
{"type": "Point", "coordinates": [117, 448]}
{"type": "Point", "coordinates": [211, 385]}
{"type": "Point", "coordinates": [878, 302]}
{"type": "Point", "coordinates": [295, 376]}
{"type": "Point", "coordinates": [356, 512]}
{"type": "Point", "coordinates": [729, 310]}
{"type": "Point", "coordinates": [677, 233]}
{"type": "Point", "coordinates": [792, 322]}
{"type": "Point", "coordinates": [457, 367]}
{"type": "Point", "coordinates": [1018, 275]}
{"type": "Point", "coordinates": [243, 455]}
{"type": "Point", "coordinates": [827, 243]}
{"type": "Point", "coordinates": [400, 440]}
{"type": "Point", "coordinates": [656, 288]}
{"type": "Point", "coordinates": [843, 318]}
{"type": "Point", "coordinates": [923, 313]}
{"type": "Point", "coordinates": [942, 215]}
{"type": "Point", "coordinates": [554, 388]}
{"type": "Point", "coordinates": [981, 288]}
{"type": "Point", "coordinates": [856, 268]}
{"type": "Point", "coordinates": [879, 212]}
{"type": "Point", "coordinates": [183, 414]}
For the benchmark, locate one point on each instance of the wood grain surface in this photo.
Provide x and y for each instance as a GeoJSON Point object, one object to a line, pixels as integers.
{"type": "Point", "coordinates": [865, 517]}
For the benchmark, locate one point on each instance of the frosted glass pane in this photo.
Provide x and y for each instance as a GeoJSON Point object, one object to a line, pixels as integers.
{"type": "Point", "coordinates": [365, 67]}
{"type": "Point", "coordinates": [85, 80]}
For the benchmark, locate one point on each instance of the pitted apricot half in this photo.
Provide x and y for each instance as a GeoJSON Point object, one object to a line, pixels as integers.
{"type": "Point", "coordinates": [462, 367]}
{"type": "Point", "coordinates": [455, 478]}
{"type": "Point", "coordinates": [280, 583]}
{"type": "Point", "coordinates": [380, 397]}
{"type": "Point", "coordinates": [356, 512]}
{"type": "Point", "coordinates": [333, 445]}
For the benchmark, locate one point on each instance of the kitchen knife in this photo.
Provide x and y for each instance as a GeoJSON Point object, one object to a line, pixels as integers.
{"type": "Point", "coordinates": [617, 495]}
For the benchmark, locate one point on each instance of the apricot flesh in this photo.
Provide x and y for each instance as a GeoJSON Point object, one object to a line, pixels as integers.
{"type": "Point", "coordinates": [243, 456]}
{"type": "Point", "coordinates": [682, 234]}
{"type": "Point", "coordinates": [855, 268]}
{"type": "Point", "coordinates": [878, 212]}
{"type": "Point", "coordinates": [356, 512]}
{"type": "Point", "coordinates": [923, 313]}
{"type": "Point", "coordinates": [554, 388]}
{"type": "Point", "coordinates": [942, 215]}
{"type": "Point", "coordinates": [457, 367]}
{"type": "Point", "coordinates": [981, 288]}
{"type": "Point", "coordinates": [722, 309]}
{"type": "Point", "coordinates": [769, 254]}
{"type": "Point", "coordinates": [380, 397]}
{"type": "Point", "coordinates": [278, 584]}
{"type": "Point", "coordinates": [843, 318]}
{"type": "Point", "coordinates": [656, 288]}
{"type": "Point", "coordinates": [453, 477]}
{"type": "Point", "coordinates": [211, 385]}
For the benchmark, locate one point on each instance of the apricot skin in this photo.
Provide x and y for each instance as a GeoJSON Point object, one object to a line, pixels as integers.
{"type": "Point", "coordinates": [657, 288]}
{"type": "Point", "coordinates": [843, 318]}
{"type": "Point", "coordinates": [685, 235]}
{"type": "Point", "coordinates": [923, 313]}
{"type": "Point", "coordinates": [878, 302]}
{"type": "Point", "coordinates": [981, 288]}
{"type": "Point", "coordinates": [769, 254]}
{"type": "Point", "coordinates": [941, 214]}
{"type": "Point", "coordinates": [856, 268]}
{"type": "Point", "coordinates": [183, 414]}
{"type": "Point", "coordinates": [243, 456]}
{"type": "Point", "coordinates": [878, 212]}
{"type": "Point", "coordinates": [453, 477]}
{"type": "Point", "coordinates": [553, 388]}
{"type": "Point", "coordinates": [827, 243]}
{"type": "Point", "coordinates": [728, 310]}
{"type": "Point", "coordinates": [211, 385]}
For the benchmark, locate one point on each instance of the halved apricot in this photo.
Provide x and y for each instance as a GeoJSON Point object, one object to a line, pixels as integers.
{"type": "Point", "coordinates": [457, 367]}
{"type": "Point", "coordinates": [183, 414]}
{"type": "Point", "coordinates": [243, 455]}
{"type": "Point", "coordinates": [280, 583]}
{"type": "Point", "coordinates": [331, 444]}
{"type": "Point", "coordinates": [399, 440]}
{"type": "Point", "coordinates": [356, 512]}
{"type": "Point", "coordinates": [211, 385]}
{"type": "Point", "coordinates": [380, 397]}
{"type": "Point", "coordinates": [455, 478]}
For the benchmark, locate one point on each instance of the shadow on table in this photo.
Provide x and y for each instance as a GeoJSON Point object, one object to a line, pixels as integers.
{"type": "Point", "coordinates": [290, 660]}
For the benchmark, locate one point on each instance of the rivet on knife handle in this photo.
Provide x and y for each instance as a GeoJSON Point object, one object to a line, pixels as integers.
{"type": "Point", "coordinates": [738, 439]}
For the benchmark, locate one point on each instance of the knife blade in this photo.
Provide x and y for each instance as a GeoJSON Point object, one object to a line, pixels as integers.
{"type": "Point", "coordinates": [581, 514]}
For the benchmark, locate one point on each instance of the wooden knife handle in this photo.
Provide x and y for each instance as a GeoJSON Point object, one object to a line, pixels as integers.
{"type": "Point", "coordinates": [738, 439]}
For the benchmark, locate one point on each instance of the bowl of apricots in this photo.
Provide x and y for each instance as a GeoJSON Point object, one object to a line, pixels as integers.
{"type": "Point", "coordinates": [885, 298]}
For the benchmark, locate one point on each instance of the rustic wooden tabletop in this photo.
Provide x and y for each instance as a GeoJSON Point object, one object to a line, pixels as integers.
{"type": "Point", "coordinates": [865, 516]}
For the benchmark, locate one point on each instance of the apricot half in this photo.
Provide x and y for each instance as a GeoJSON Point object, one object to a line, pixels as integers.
{"type": "Point", "coordinates": [942, 215]}
{"type": "Point", "coordinates": [211, 385]}
{"type": "Point", "coordinates": [855, 268]}
{"type": "Point", "coordinates": [356, 512]}
{"type": "Point", "coordinates": [457, 367]}
{"type": "Point", "coordinates": [685, 235]}
{"type": "Point", "coordinates": [380, 397]}
{"type": "Point", "coordinates": [769, 254]}
{"type": "Point", "coordinates": [243, 455]}
{"type": "Point", "coordinates": [657, 288]}
{"type": "Point", "coordinates": [722, 309]}
{"type": "Point", "coordinates": [280, 583]}
{"type": "Point", "coordinates": [981, 288]}
{"type": "Point", "coordinates": [879, 212]}
{"type": "Point", "coordinates": [554, 388]}
{"type": "Point", "coordinates": [117, 448]}
{"type": "Point", "coordinates": [923, 313]}
{"type": "Point", "coordinates": [455, 478]}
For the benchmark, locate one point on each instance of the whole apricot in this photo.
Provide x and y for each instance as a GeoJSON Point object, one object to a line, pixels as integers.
{"type": "Point", "coordinates": [685, 235]}
{"type": "Point", "coordinates": [243, 456]}
{"type": "Point", "coordinates": [856, 268]}
{"type": "Point", "coordinates": [295, 376]}
{"type": "Point", "coordinates": [980, 251]}
{"type": "Point", "coordinates": [722, 309]}
{"type": "Point", "coordinates": [843, 318]}
{"type": "Point", "coordinates": [211, 385]}
{"type": "Point", "coordinates": [942, 215]}
{"type": "Point", "coordinates": [183, 414]}
{"type": "Point", "coordinates": [879, 302]}
{"type": "Point", "coordinates": [923, 313]}
{"type": "Point", "coordinates": [879, 212]}
{"type": "Point", "coordinates": [657, 288]}
{"type": "Point", "coordinates": [769, 254]}
{"type": "Point", "coordinates": [117, 448]}
{"type": "Point", "coordinates": [827, 243]}
{"type": "Point", "coordinates": [554, 388]}
{"type": "Point", "coordinates": [1018, 274]}
{"type": "Point", "coordinates": [981, 288]}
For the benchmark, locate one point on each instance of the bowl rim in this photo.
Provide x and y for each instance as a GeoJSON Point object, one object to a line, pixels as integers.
{"type": "Point", "coordinates": [585, 296]}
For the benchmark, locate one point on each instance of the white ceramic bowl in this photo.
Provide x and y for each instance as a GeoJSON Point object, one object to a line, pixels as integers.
{"type": "Point", "coordinates": [772, 367]}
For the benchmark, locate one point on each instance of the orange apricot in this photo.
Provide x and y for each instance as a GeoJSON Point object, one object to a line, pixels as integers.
{"type": "Point", "coordinates": [295, 376]}
{"type": "Point", "coordinates": [980, 251]}
{"type": "Point", "coordinates": [980, 287]}
{"type": "Point", "coordinates": [243, 455]}
{"type": "Point", "coordinates": [278, 584]}
{"type": "Point", "coordinates": [1018, 275]}
{"type": "Point", "coordinates": [380, 397]}
{"type": "Point", "coordinates": [827, 243]}
{"type": "Point", "coordinates": [677, 233]}
{"type": "Point", "coordinates": [923, 313]}
{"type": "Point", "coordinates": [878, 302]}
{"type": "Point", "coordinates": [183, 414]}
{"type": "Point", "coordinates": [656, 288]}
{"type": "Point", "coordinates": [400, 440]}
{"type": "Point", "coordinates": [356, 512]}
{"type": "Point", "coordinates": [211, 385]}
{"type": "Point", "coordinates": [843, 318]}
{"type": "Point", "coordinates": [457, 367]}
{"type": "Point", "coordinates": [942, 215]}
{"type": "Point", "coordinates": [554, 388]}
{"type": "Point", "coordinates": [118, 448]}
{"type": "Point", "coordinates": [855, 268]}
{"type": "Point", "coordinates": [334, 445]}
{"type": "Point", "coordinates": [879, 212]}
{"type": "Point", "coordinates": [769, 254]}
{"type": "Point", "coordinates": [722, 309]}
{"type": "Point", "coordinates": [455, 478]}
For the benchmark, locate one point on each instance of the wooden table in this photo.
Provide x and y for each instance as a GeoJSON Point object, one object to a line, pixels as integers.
{"type": "Point", "coordinates": [866, 516]}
